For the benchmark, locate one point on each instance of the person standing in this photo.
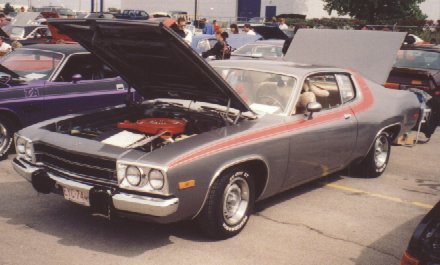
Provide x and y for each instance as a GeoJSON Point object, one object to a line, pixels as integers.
{"type": "Point", "coordinates": [234, 29]}
{"type": "Point", "coordinates": [221, 49]}
{"type": "Point", "coordinates": [180, 28]}
{"type": "Point", "coordinates": [216, 26]}
{"type": "Point", "coordinates": [209, 28]}
{"type": "Point", "coordinates": [248, 29]}
{"type": "Point", "coordinates": [283, 24]}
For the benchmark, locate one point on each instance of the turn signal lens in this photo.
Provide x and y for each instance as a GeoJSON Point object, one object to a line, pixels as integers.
{"type": "Point", "coordinates": [407, 259]}
{"type": "Point", "coordinates": [156, 179]}
{"type": "Point", "coordinates": [133, 175]}
{"type": "Point", "coordinates": [392, 85]}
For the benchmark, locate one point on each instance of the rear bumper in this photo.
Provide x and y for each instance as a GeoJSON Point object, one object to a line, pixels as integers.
{"type": "Point", "coordinates": [120, 201]}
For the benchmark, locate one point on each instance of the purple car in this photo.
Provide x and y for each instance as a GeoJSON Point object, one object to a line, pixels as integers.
{"type": "Point", "coordinates": [45, 81]}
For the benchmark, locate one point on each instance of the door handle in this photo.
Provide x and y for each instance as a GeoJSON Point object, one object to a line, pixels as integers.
{"type": "Point", "coordinates": [347, 116]}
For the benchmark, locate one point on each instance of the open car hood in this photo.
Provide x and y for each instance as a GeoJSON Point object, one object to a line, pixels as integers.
{"type": "Point", "coordinates": [153, 59]}
{"type": "Point", "coordinates": [371, 53]}
{"type": "Point", "coordinates": [270, 32]}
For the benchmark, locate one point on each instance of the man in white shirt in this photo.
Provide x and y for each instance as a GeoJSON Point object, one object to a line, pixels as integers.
{"type": "Point", "coordinates": [247, 29]}
{"type": "Point", "coordinates": [4, 47]}
{"type": "Point", "coordinates": [283, 24]}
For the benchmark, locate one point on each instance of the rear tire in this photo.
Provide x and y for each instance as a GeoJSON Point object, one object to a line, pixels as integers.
{"type": "Point", "coordinates": [376, 161]}
{"type": "Point", "coordinates": [229, 204]}
{"type": "Point", "coordinates": [7, 130]}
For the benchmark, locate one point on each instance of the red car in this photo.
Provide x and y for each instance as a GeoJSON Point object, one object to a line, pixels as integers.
{"type": "Point", "coordinates": [418, 66]}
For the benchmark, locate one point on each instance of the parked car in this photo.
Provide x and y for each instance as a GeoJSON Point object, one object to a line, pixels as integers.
{"type": "Point", "coordinates": [204, 42]}
{"type": "Point", "coordinates": [47, 80]}
{"type": "Point", "coordinates": [267, 49]}
{"type": "Point", "coordinates": [133, 15]}
{"type": "Point", "coordinates": [424, 246]}
{"type": "Point", "coordinates": [418, 66]}
{"type": "Point", "coordinates": [197, 148]}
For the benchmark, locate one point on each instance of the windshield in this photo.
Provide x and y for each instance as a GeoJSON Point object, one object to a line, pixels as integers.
{"type": "Point", "coordinates": [65, 12]}
{"type": "Point", "coordinates": [418, 59]}
{"type": "Point", "coordinates": [206, 44]}
{"type": "Point", "coordinates": [17, 32]}
{"type": "Point", "coordinates": [32, 64]}
{"type": "Point", "coordinates": [260, 50]}
{"type": "Point", "coordinates": [264, 93]}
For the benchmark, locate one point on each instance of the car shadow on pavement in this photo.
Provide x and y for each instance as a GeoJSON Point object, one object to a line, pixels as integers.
{"type": "Point", "coordinates": [389, 248]}
{"type": "Point", "coordinates": [73, 225]}
{"type": "Point", "coordinates": [294, 192]}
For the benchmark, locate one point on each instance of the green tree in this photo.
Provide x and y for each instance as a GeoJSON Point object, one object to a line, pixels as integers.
{"type": "Point", "coordinates": [8, 9]}
{"type": "Point", "coordinates": [375, 10]}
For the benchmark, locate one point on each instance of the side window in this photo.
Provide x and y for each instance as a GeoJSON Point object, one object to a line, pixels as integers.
{"type": "Point", "coordinates": [322, 88]}
{"type": "Point", "coordinates": [86, 65]}
{"type": "Point", "coordinates": [346, 87]}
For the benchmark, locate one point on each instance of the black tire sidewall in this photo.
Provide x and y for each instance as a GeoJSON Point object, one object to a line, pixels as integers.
{"type": "Point", "coordinates": [211, 219]}
{"type": "Point", "coordinates": [246, 175]}
{"type": "Point", "coordinates": [370, 169]}
{"type": "Point", "coordinates": [10, 136]}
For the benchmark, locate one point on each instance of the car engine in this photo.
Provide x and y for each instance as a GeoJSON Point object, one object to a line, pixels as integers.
{"type": "Point", "coordinates": [142, 128]}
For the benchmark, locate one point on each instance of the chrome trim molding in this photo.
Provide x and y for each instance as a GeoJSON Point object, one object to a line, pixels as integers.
{"type": "Point", "coordinates": [145, 205]}
{"type": "Point", "coordinates": [24, 169]}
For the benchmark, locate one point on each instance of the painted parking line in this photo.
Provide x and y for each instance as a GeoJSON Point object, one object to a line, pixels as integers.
{"type": "Point", "coordinates": [377, 195]}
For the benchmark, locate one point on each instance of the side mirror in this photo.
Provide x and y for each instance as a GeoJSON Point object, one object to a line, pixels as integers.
{"type": "Point", "coordinates": [76, 78]}
{"type": "Point", "coordinates": [312, 107]}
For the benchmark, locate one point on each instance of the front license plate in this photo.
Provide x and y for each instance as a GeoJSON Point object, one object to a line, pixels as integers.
{"type": "Point", "coordinates": [76, 196]}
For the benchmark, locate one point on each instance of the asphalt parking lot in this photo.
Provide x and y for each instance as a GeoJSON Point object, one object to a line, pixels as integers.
{"type": "Point", "coordinates": [336, 220]}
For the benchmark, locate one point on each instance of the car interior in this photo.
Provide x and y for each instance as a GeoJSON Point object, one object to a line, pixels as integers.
{"type": "Point", "coordinates": [86, 65]}
{"type": "Point", "coordinates": [319, 88]}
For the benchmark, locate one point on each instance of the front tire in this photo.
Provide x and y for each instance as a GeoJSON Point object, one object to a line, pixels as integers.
{"type": "Point", "coordinates": [7, 130]}
{"type": "Point", "coordinates": [376, 161]}
{"type": "Point", "coordinates": [229, 204]}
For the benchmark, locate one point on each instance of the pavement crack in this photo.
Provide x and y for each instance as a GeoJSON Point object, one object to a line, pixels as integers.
{"type": "Point", "coordinates": [326, 235]}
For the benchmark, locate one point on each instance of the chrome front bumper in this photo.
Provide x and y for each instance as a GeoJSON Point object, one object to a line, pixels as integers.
{"type": "Point", "coordinates": [140, 204]}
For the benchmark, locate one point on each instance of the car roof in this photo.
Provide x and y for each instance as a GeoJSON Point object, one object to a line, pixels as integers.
{"type": "Point", "coordinates": [61, 48]}
{"type": "Point", "coordinates": [280, 67]}
{"type": "Point", "coordinates": [268, 42]}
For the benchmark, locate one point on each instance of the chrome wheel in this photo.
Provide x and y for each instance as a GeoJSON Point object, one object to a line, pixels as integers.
{"type": "Point", "coordinates": [235, 201]}
{"type": "Point", "coordinates": [381, 150]}
{"type": "Point", "coordinates": [3, 137]}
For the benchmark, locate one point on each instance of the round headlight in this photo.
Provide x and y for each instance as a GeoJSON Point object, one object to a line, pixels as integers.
{"type": "Point", "coordinates": [156, 179]}
{"type": "Point", "coordinates": [21, 145]}
{"type": "Point", "coordinates": [28, 149]}
{"type": "Point", "coordinates": [133, 175]}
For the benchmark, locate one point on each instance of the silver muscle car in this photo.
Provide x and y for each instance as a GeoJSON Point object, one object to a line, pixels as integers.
{"type": "Point", "coordinates": [210, 140]}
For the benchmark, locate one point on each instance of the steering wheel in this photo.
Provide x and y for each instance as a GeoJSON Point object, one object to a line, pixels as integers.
{"type": "Point", "coordinates": [269, 100]}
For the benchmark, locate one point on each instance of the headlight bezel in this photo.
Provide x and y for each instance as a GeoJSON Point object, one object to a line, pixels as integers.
{"type": "Point", "coordinates": [145, 185]}
{"type": "Point", "coordinates": [20, 145]}
{"type": "Point", "coordinates": [24, 148]}
{"type": "Point", "coordinates": [153, 182]}
{"type": "Point", "coordinates": [140, 173]}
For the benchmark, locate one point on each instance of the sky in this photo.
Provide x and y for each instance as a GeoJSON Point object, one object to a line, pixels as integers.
{"type": "Point", "coordinates": [72, 4]}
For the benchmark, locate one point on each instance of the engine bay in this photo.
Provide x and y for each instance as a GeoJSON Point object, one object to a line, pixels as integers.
{"type": "Point", "coordinates": [141, 127]}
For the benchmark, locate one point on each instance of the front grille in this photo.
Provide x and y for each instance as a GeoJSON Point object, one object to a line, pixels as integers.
{"type": "Point", "coordinates": [76, 163]}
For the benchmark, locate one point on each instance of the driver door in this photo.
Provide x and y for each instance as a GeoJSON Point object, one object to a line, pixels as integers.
{"type": "Point", "coordinates": [325, 142]}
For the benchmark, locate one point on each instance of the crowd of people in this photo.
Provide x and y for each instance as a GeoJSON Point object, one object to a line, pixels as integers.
{"type": "Point", "coordinates": [221, 50]}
